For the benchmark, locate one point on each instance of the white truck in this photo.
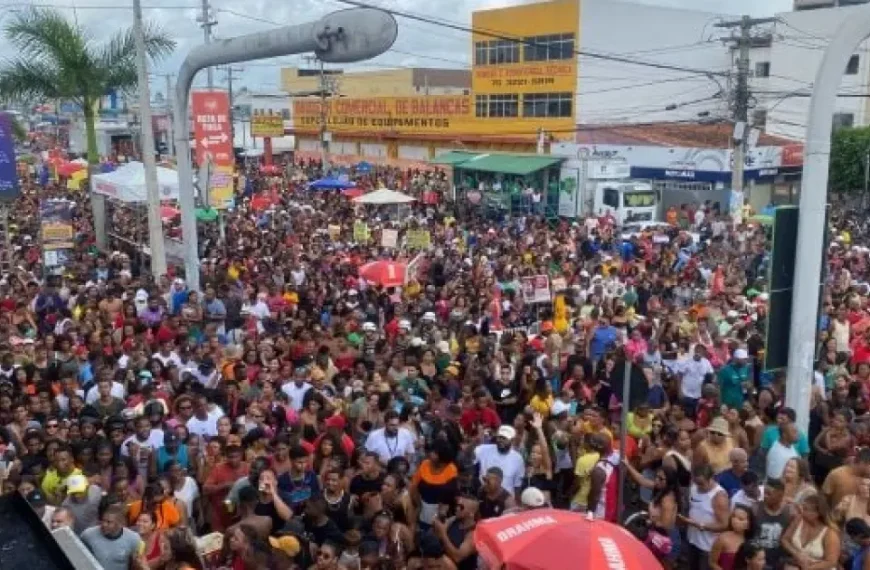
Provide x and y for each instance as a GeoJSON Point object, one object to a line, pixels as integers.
{"type": "Point", "coordinates": [592, 185]}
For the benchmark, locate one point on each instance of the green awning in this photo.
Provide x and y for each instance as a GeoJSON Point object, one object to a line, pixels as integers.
{"type": "Point", "coordinates": [453, 157]}
{"type": "Point", "coordinates": [519, 164]}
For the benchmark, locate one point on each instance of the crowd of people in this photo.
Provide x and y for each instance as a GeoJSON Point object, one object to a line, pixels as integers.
{"type": "Point", "coordinates": [292, 415]}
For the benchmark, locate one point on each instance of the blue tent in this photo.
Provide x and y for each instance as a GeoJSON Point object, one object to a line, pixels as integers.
{"type": "Point", "coordinates": [364, 167]}
{"type": "Point", "coordinates": [331, 184]}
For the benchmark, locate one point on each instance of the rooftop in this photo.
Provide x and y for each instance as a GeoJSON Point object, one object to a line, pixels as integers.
{"type": "Point", "coordinates": [695, 135]}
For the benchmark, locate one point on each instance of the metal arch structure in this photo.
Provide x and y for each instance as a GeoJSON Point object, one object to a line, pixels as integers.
{"type": "Point", "coordinates": [341, 37]}
{"type": "Point", "coordinates": [813, 202]}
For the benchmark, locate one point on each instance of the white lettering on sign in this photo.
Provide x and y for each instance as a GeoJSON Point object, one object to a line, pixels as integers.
{"type": "Point", "coordinates": [612, 554]}
{"type": "Point", "coordinates": [524, 527]}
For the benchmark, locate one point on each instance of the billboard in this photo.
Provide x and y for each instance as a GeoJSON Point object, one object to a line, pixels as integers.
{"type": "Point", "coordinates": [9, 189]}
{"type": "Point", "coordinates": [267, 123]}
{"type": "Point", "coordinates": [212, 133]}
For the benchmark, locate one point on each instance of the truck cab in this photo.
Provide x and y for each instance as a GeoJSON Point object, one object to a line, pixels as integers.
{"type": "Point", "coordinates": [627, 202]}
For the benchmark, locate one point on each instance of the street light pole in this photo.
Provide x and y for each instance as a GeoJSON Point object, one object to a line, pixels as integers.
{"type": "Point", "coordinates": [146, 130]}
{"type": "Point", "coordinates": [341, 37]}
{"type": "Point", "coordinates": [813, 202]}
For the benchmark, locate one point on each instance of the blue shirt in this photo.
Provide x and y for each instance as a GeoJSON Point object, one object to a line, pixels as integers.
{"type": "Point", "coordinates": [602, 339]}
{"type": "Point", "coordinates": [729, 481]}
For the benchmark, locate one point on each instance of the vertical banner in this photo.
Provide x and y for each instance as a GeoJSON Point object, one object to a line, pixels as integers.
{"type": "Point", "coordinates": [9, 188]}
{"type": "Point", "coordinates": [56, 228]}
{"type": "Point", "coordinates": [212, 134]}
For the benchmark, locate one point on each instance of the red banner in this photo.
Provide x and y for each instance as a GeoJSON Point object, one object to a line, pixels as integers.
{"type": "Point", "coordinates": [211, 126]}
{"type": "Point", "coordinates": [213, 135]}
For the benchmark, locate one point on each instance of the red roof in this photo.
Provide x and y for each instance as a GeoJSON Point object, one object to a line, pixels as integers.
{"type": "Point", "coordinates": [717, 135]}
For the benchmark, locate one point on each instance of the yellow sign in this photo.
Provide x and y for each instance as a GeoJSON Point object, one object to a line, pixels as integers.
{"type": "Point", "coordinates": [221, 193]}
{"type": "Point", "coordinates": [360, 232]}
{"type": "Point", "coordinates": [267, 124]}
{"type": "Point", "coordinates": [547, 77]}
{"type": "Point", "coordinates": [419, 239]}
{"type": "Point", "coordinates": [334, 231]}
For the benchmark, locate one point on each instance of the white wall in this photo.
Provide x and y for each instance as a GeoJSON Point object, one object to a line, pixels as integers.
{"type": "Point", "coordinates": [612, 92]}
{"type": "Point", "coordinates": [413, 152]}
{"type": "Point", "coordinates": [796, 53]}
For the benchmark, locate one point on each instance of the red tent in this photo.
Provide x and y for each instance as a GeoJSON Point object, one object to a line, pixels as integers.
{"type": "Point", "coordinates": [549, 539]}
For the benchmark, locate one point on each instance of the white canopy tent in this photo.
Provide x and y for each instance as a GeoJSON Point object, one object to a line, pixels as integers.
{"type": "Point", "coordinates": [383, 197]}
{"type": "Point", "coordinates": [127, 183]}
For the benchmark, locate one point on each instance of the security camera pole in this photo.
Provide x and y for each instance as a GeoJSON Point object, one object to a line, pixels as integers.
{"type": "Point", "coordinates": [813, 201]}
{"type": "Point", "coordinates": [341, 37]}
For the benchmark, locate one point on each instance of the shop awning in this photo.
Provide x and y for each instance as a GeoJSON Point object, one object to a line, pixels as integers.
{"type": "Point", "coordinates": [453, 157]}
{"type": "Point", "coordinates": [519, 164]}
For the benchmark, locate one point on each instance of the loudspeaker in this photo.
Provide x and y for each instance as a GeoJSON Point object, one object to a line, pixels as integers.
{"type": "Point", "coordinates": [25, 542]}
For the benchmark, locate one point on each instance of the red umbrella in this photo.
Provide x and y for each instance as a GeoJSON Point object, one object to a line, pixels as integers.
{"type": "Point", "coordinates": [384, 273]}
{"type": "Point", "coordinates": [548, 539]}
{"type": "Point", "coordinates": [68, 168]}
{"type": "Point", "coordinates": [352, 193]}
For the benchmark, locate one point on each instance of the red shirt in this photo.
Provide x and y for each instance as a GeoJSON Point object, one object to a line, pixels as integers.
{"type": "Point", "coordinates": [485, 417]}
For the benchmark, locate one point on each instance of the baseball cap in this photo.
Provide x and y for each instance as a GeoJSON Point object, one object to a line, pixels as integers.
{"type": "Point", "coordinates": [533, 498]}
{"type": "Point", "coordinates": [36, 498]}
{"type": "Point", "coordinates": [506, 432]}
{"type": "Point", "coordinates": [76, 484]}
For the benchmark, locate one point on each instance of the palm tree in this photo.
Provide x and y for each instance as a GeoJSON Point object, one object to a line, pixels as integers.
{"type": "Point", "coordinates": [59, 61]}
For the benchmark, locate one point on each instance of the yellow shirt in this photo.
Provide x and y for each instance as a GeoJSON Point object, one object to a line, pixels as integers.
{"type": "Point", "coordinates": [53, 481]}
{"type": "Point", "coordinates": [587, 429]}
{"type": "Point", "coordinates": [541, 405]}
{"type": "Point", "coordinates": [583, 470]}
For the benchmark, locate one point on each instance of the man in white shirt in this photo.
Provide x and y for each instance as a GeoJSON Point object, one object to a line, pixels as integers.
{"type": "Point", "coordinates": [142, 444]}
{"type": "Point", "coordinates": [782, 450]}
{"type": "Point", "coordinates": [117, 391]}
{"type": "Point", "coordinates": [501, 454]}
{"type": "Point", "coordinates": [297, 388]}
{"type": "Point", "coordinates": [391, 440]}
{"type": "Point", "coordinates": [204, 422]}
{"type": "Point", "coordinates": [167, 356]}
{"type": "Point", "coordinates": [693, 372]}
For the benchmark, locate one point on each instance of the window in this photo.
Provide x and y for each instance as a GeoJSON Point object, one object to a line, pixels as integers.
{"type": "Point", "coordinates": [549, 48]}
{"type": "Point", "coordinates": [496, 52]}
{"type": "Point", "coordinates": [480, 53]}
{"type": "Point", "coordinates": [762, 69]}
{"type": "Point", "coordinates": [504, 105]}
{"type": "Point", "coordinates": [639, 199]}
{"type": "Point", "coordinates": [843, 120]}
{"type": "Point", "coordinates": [481, 104]}
{"type": "Point", "coordinates": [852, 66]}
{"type": "Point", "coordinates": [547, 104]}
{"type": "Point", "coordinates": [611, 197]}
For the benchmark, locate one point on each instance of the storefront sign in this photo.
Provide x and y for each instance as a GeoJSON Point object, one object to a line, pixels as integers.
{"type": "Point", "coordinates": [267, 123]}
{"type": "Point", "coordinates": [549, 77]}
{"type": "Point", "coordinates": [213, 138]}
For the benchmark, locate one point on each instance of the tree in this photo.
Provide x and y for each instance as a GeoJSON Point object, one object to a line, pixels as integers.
{"type": "Point", "coordinates": [849, 148]}
{"type": "Point", "coordinates": [59, 61]}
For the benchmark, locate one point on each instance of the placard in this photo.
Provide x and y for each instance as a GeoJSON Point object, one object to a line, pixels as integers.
{"type": "Point", "coordinates": [360, 232]}
{"type": "Point", "coordinates": [389, 238]}
{"type": "Point", "coordinates": [419, 239]}
{"type": "Point", "coordinates": [536, 289]}
{"type": "Point", "coordinates": [334, 231]}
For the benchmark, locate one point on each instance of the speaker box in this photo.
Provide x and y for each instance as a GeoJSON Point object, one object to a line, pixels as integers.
{"type": "Point", "coordinates": [25, 542]}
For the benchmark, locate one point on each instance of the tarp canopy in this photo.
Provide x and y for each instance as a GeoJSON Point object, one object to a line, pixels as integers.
{"type": "Point", "coordinates": [384, 196]}
{"type": "Point", "coordinates": [453, 157]}
{"type": "Point", "coordinates": [331, 184]}
{"type": "Point", "coordinates": [519, 164]}
{"type": "Point", "coordinates": [127, 183]}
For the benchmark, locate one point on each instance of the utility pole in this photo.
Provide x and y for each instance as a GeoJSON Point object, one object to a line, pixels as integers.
{"type": "Point", "coordinates": [325, 87]}
{"type": "Point", "coordinates": [230, 70]}
{"type": "Point", "coordinates": [170, 146]}
{"type": "Point", "coordinates": [155, 224]}
{"type": "Point", "coordinates": [207, 24]}
{"type": "Point", "coordinates": [742, 41]}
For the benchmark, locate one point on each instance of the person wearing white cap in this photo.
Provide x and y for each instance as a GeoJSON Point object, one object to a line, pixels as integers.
{"type": "Point", "coordinates": [501, 454]}
{"type": "Point", "coordinates": [734, 379]}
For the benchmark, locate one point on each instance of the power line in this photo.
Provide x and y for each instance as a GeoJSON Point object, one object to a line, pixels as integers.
{"type": "Point", "coordinates": [530, 43]}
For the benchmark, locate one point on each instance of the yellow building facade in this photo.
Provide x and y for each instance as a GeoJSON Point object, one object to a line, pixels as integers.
{"type": "Point", "coordinates": [523, 80]}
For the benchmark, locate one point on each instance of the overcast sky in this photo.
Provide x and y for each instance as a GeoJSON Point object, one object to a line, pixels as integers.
{"type": "Point", "coordinates": [418, 44]}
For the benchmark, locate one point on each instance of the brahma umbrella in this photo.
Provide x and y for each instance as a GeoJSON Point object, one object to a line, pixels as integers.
{"type": "Point", "coordinates": [331, 184]}
{"type": "Point", "coordinates": [549, 539]}
{"type": "Point", "coordinates": [384, 273]}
